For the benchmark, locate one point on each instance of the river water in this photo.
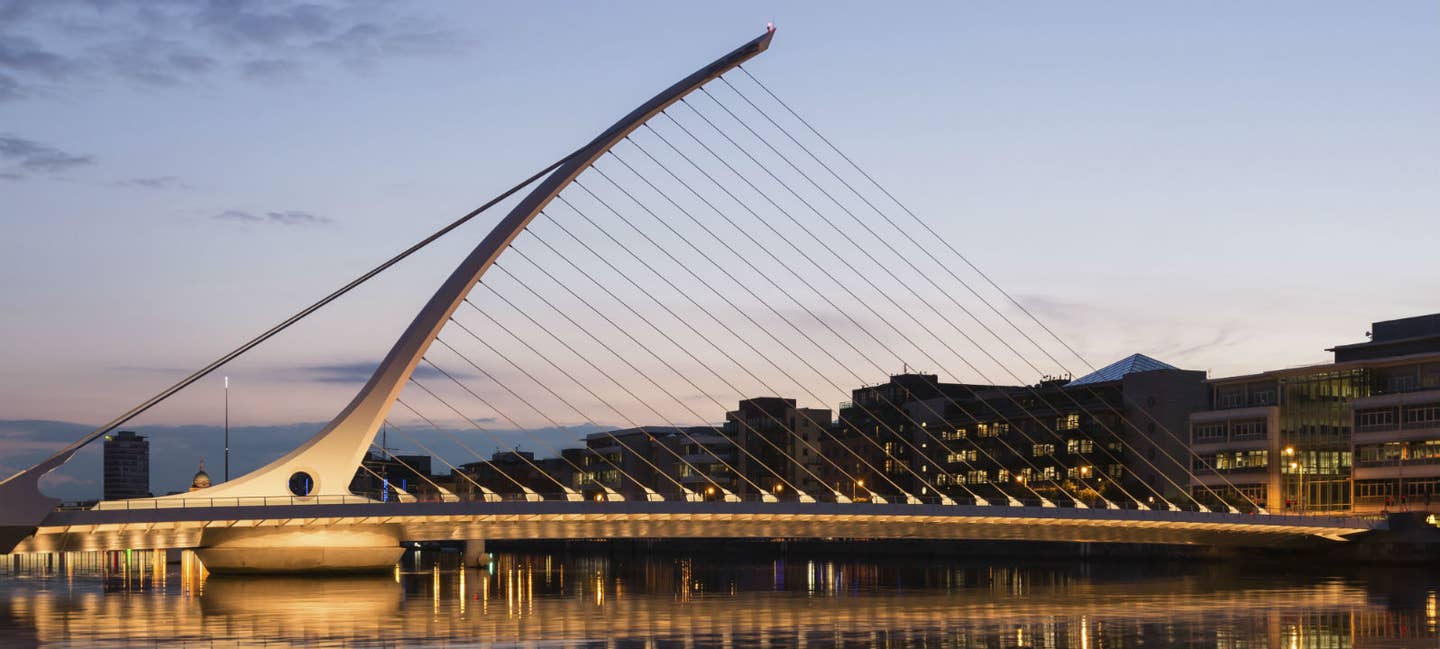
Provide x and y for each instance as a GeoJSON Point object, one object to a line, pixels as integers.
{"type": "Point", "coordinates": [700, 601]}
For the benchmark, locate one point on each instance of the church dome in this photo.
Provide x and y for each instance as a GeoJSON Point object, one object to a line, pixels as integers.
{"type": "Point", "coordinates": [202, 479]}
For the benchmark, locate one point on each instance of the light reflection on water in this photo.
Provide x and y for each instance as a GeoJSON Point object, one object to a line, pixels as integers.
{"type": "Point", "coordinates": [699, 601]}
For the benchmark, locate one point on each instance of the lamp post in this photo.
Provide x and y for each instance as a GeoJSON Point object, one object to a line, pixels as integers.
{"type": "Point", "coordinates": [1296, 468]}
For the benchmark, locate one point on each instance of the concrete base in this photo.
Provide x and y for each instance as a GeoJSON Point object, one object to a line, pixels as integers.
{"type": "Point", "coordinates": [475, 554]}
{"type": "Point", "coordinates": [291, 550]}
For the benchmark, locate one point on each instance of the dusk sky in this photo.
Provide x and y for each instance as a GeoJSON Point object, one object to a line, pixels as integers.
{"type": "Point", "coordinates": [1226, 186]}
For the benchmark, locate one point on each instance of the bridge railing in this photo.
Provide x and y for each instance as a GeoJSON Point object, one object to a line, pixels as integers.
{"type": "Point", "coordinates": [290, 500]}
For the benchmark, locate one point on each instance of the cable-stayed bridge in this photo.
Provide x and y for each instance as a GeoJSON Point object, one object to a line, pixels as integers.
{"type": "Point", "coordinates": [712, 244]}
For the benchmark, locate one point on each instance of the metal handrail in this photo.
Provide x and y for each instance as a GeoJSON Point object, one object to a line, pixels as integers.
{"type": "Point", "coordinates": [291, 500]}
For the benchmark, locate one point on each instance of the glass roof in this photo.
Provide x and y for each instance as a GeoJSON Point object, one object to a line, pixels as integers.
{"type": "Point", "coordinates": [1128, 365]}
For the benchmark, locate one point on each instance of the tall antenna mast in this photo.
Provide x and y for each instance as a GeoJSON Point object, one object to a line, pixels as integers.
{"type": "Point", "coordinates": [227, 429]}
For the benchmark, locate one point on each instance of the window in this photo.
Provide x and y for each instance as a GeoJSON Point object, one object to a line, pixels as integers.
{"type": "Point", "coordinates": [1262, 397]}
{"type": "Point", "coordinates": [1427, 451]}
{"type": "Point", "coordinates": [1115, 470]}
{"type": "Point", "coordinates": [1375, 419]}
{"type": "Point", "coordinates": [1049, 473]}
{"type": "Point", "coordinates": [1248, 429]}
{"type": "Point", "coordinates": [1230, 398]}
{"type": "Point", "coordinates": [1002, 475]}
{"type": "Point", "coordinates": [1209, 432]}
{"type": "Point", "coordinates": [1430, 376]}
{"type": "Point", "coordinates": [1240, 459]}
{"type": "Point", "coordinates": [952, 435]}
{"type": "Point", "coordinates": [980, 476]}
{"type": "Point", "coordinates": [955, 457]}
{"type": "Point", "coordinates": [1401, 383]}
{"type": "Point", "coordinates": [1421, 488]}
{"type": "Point", "coordinates": [1419, 416]}
{"type": "Point", "coordinates": [987, 430]}
{"type": "Point", "coordinates": [1068, 422]}
{"type": "Point", "coordinates": [1077, 446]}
{"type": "Point", "coordinates": [1374, 489]}
{"type": "Point", "coordinates": [1042, 450]}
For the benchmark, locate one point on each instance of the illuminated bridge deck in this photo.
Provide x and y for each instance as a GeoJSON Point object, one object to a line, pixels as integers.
{"type": "Point", "coordinates": [115, 529]}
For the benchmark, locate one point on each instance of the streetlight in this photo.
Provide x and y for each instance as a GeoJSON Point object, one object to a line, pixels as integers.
{"type": "Point", "coordinates": [854, 489]}
{"type": "Point", "coordinates": [1295, 468]}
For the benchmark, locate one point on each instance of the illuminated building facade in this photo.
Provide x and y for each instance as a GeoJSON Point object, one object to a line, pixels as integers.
{"type": "Point", "coordinates": [1360, 434]}
{"type": "Point", "coordinates": [1117, 434]}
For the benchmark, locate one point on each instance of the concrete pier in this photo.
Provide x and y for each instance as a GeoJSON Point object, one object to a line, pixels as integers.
{"type": "Point", "coordinates": [475, 554]}
{"type": "Point", "coordinates": [370, 548]}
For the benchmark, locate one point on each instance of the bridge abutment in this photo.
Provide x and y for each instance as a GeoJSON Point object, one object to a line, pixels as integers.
{"type": "Point", "coordinates": [370, 548]}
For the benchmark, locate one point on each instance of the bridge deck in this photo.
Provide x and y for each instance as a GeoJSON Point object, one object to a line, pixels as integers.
{"type": "Point", "coordinates": [432, 521]}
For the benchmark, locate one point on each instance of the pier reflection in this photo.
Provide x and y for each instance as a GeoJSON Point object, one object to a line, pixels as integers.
{"type": "Point", "coordinates": [688, 601]}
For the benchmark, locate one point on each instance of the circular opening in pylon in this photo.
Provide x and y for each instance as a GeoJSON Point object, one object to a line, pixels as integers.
{"type": "Point", "coordinates": [301, 484]}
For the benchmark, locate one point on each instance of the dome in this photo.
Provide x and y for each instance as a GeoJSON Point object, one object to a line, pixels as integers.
{"type": "Point", "coordinates": [202, 479]}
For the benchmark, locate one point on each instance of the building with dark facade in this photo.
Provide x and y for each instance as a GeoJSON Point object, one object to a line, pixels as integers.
{"type": "Point", "coordinates": [1360, 434]}
{"type": "Point", "coordinates": [126, 466]}
{"type": "Point", "coordinates": [782, 446]}
{"type": "Point", "coordinates": [384, 477]}
{"type": "Point", "coordinates": [512, 472]}
{"type": "Point", "coordinates": [675, 462]}
{"type": "Point", "coordinates": [1116, 435]}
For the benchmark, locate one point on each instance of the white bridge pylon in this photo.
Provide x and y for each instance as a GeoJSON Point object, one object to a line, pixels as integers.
{"type": "Point", "coordinates": [326, 463]}
{"type": "Point", "coordinates": [329, 458]}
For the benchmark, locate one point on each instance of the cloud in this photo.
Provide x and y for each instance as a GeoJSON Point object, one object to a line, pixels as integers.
{"type": "Point", "coordinates": [1050, 309]}
{"type": "Point", "coordinates": [170, 44]}
{"type": "Point", "coordinates": [33, 157]}
{"type": "Point", "coordinates": [242, 22]}
{"type": "Point", "coordinates": [1225, 337]}
{"type": "Point", "coordinates": [292, 218]}
{"type": "Point", "coordinates": [359, 372]}
{"type": "Point", "coordinates": [24, 55]}
{"type": "Point", "coordinates": [157, 182]}
{"type": "Point", "coordinates": [155, 62]}
{"type": "Point", "coordinates": [237, 216]}
{"type": "Point", "coordinates": [9, 88]}
{"type": "Point", "coordinates": [270, 69]}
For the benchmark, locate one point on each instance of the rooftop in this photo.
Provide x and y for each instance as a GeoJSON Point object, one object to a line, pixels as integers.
{"type": "Point", "coordinates": [1117, 370]}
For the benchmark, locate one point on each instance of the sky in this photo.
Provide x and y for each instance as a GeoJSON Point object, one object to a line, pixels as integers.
{"type": "Point", "coordinates": [1229, 187]}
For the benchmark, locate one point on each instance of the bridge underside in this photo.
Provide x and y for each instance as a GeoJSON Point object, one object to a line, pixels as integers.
{"type": "Point", "coordinates": [72, 531]}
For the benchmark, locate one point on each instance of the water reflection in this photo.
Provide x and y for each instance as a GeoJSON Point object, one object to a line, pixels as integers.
{"type": "Point", "coordinates": [589, 601]}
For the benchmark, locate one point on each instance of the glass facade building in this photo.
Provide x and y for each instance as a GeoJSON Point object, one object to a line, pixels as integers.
{"type": "Point", "coordinates": [1339, 437]}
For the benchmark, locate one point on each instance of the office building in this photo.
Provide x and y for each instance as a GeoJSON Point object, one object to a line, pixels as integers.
{"type": "Point", "coordinates": [1116, 435]}
{"type": "Point", "coordinates": [127, 466]}
{"type": "Point", "coordinates": [1359, 434]}
{"type": "Point", "coordinates": [782, 444]}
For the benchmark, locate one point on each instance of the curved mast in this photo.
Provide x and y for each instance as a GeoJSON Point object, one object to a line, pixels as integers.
{"type": "Point", "coordinates": [329, 458]}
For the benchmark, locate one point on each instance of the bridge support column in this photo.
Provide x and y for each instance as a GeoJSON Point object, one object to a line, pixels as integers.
{"type": "Point", "coordinates": [475, 554]}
